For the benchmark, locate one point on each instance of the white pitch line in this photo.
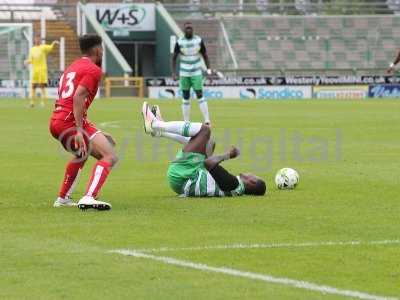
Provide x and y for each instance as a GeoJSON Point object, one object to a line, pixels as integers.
{"type": "Point", "coordinates": [110, 124]}
{"type": "Point", "coordinates": [273, 245]}
{"type": "Point", "coordinates": [325, 289]}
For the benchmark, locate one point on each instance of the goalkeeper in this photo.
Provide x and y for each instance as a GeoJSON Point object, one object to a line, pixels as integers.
{"type": "Point", "coordinates": [38, 60]}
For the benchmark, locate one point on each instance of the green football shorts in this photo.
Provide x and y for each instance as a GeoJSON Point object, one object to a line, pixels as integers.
{"type": "Point", "coordinates": [186, 166]}
{"type": "Point", "coordinates": [195, 82]}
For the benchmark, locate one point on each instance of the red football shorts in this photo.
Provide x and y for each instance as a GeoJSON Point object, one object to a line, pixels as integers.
{"type": "Point", "coordinates": [65, 131]}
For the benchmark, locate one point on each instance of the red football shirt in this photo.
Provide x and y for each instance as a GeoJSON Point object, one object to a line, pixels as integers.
{"type": "Point", "coordinates": [81, 72]}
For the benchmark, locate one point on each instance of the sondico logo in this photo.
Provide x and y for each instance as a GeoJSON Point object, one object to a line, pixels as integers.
{"type": "Point", "coordinates": [122, 17]}
{"type": "Point", "coordinates": [166, 94]}
{"type": "Point", "coordinates": [286, 93]}
{"type": "Point", "coordinates": [248, 93]}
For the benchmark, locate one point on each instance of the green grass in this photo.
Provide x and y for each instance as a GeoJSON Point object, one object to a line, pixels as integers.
{"type": "Point", "coordinates": [349, 183]}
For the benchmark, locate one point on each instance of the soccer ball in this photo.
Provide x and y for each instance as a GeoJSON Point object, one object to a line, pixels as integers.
{"type": "Point", "coordinates": [286, 179]}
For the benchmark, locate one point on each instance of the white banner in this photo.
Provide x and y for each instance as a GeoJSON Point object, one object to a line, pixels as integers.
{"type": "Point", "coordinates": [238, 92]}
{"type": "Point", "coordinates": [346, 92]}
{"type": "Point", "coordinates": [23, 93]}
{"type": "Point", "coordinates": [121, 18]}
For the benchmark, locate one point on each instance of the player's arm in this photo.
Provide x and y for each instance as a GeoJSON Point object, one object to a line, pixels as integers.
{"type": "Point", "coordinates": [29, 60]}
{"type": "Point", "coordinates": [79, 99]}
{"type": "Point", "coordinates": [177, 50]}
{"type": "Point", "coordinates": [214, 160]}
{"type": "Point", "coordinates": [393, 64]}
{"type": "Point", "coordinates": [226, 181]}
{"type": "Point", "coordinates": [203, 52]}
{"type": "Point", "coordinates": [49, 48]}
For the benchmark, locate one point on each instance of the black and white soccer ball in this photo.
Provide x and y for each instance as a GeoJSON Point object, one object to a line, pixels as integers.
{"type": "Point", "coordinates": [287, 179]}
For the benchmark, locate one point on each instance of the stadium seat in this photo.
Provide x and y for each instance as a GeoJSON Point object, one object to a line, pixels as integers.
{"type": "Point", "coordinates": [338, 42]}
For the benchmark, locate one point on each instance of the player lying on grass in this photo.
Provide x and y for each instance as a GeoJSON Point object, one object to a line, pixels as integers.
{"type": "Point", "coordinates": [196, 172]}
{"type": "Point", "coordinates": [69, 124]}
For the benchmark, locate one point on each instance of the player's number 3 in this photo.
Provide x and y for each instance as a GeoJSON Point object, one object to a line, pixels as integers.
{"type": "Point", "coordinates": [69, 85]}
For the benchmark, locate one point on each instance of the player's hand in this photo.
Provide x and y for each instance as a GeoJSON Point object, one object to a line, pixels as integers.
{"type": "Point", "coordinates": [26, 62]}
{"type": "Point", "coordinates": [56, 42]}
{"type": "Point", "coordinates": [390, 70]}
{"type": "Point", "coordinates": [233, 152]}
{"type": "Point", "coordinates": [174, 77]}
{"type": "Point", "coordinates": [80, 144]}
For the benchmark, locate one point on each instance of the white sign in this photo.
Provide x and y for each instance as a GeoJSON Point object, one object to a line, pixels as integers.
{"type": "Point", "coordinates": [238, 92]}
{"type": "Point", "coordinates": [341, 92]}
{"type": "Point", "coordinates": [124, 17]}
{"type": "Point", "coordinates": [22, 93]}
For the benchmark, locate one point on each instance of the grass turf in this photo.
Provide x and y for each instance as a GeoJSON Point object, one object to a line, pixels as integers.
{"type": "Point", "coordinates": [347, 156]}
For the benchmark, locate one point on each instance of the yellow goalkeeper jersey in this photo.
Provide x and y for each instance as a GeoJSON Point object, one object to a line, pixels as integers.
{"type": "Point", "coordinates": [38, 59]}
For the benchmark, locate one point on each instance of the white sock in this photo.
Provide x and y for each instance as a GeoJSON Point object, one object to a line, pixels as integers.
{"type": "Point", "coordinates": [176, 137]}
{"type": "Point", "coordinates": [177, 127]}
{"type": "Point", "coordinates": [186, 110]}
{"type": "Point", "coordinates": [204, 109]}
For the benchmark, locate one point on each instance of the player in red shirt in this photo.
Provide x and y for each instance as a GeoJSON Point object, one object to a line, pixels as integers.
{"type": "Point", "coordinates": [69, 124]}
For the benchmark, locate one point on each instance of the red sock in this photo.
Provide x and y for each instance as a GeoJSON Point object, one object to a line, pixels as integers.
{"type": "Point", "coordinates": [99, 175]}
{"type": "Point", "coordinates": [72, 171]}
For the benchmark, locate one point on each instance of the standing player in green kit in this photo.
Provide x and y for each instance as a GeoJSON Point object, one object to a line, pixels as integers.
{"type": "Point", "coordinates": [191, 49]}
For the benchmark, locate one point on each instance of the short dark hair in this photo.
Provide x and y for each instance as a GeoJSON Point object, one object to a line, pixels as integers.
{"type": "Point", "coordinates": [89, 41]}
{"type": "Point", "coordinates": [258, 189]}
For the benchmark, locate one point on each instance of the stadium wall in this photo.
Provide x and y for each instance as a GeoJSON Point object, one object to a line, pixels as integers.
{"type": "Point", "coordinates": [165, 28]}
{"type": "Point", "coordinates": [112, 66]}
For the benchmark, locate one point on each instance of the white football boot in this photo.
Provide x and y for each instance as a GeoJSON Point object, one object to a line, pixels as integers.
{"type": "Point", "coordinates": [60, 202]}
{"type": "Point", "coordinates": [155, 109]}
{"type": "Point", "coordinates": [157, 112]}
{"type": "Point", "coordinates": [148, 118]}
{"type": "Point", "coordinates": [89, 202]}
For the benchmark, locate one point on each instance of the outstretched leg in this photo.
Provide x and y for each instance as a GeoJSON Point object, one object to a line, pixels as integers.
{"type": "Point", "coordinates": [187, 129]}
{"type": "Point", "coordinates": [152, 124]}
{"type": "Point", "coordinates": [199, 133]}
{"type": "Point", "coordinates": [176, 137]}
{"type": "Point", "coordinates": [155, 109]}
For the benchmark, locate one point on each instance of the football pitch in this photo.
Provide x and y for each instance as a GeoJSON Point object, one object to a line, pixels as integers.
{"type": "Point", "coordinates": [336, 236]}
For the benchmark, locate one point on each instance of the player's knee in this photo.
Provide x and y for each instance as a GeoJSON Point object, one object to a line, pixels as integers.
{"type": "Point", "coordinates": [186, 95]}
{"type": "Point", "coordinates": [114, 159]}
{"type": "Point", "coordinates": [199, 94]}
{"type": "Point", "coordinates": [111, 158]}
{"type": "Point", "coordinates": [205, 130]}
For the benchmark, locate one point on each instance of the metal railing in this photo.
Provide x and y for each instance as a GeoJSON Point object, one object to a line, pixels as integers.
{"type": "Point", "coordinates": [281, 7]}
{"type": "Point", "coordinates": [304, 72]}
{"type": "Point", "coordinates": [65, 12]}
